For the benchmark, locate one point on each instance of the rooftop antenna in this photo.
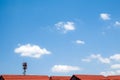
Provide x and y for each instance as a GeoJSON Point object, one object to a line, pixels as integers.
{"type": "Point", "coordinates": [24, 68]}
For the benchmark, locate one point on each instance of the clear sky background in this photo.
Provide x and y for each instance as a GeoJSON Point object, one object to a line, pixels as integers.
{"type": "Point", "coordinates": [60, 37]}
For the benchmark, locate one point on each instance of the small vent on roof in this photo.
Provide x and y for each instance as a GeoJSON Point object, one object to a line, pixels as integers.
{"type": "Point", "coordinates": [24, 68]}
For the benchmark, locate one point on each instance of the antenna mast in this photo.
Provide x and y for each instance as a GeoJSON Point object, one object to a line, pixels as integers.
{"type": "Point", "coordinates": [24, 68]}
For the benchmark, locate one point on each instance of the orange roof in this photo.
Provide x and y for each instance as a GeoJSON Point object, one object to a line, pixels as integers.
{"type": "Point", "coordinates": [44, 77]}
{"type": "Point", "coordinates": [60, 77]}
{"type": "Point", "coordinates": [115, 77]}
{"type": "Point", "coordinates": [24, 77]}
{"type": "Point", "coordinates": [89, 77]}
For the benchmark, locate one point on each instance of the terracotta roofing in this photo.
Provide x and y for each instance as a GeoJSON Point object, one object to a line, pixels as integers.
{"type": "Point", "coordinates": [45, 77]}
{"type": "Point", "coordinates": [60, 77]}
{"type": "Point", "coordinates": [90, 77]}
{"type": "Point", "coordinates": [115, 77]}
{"type": "Point", "coordinates": [24, 77]}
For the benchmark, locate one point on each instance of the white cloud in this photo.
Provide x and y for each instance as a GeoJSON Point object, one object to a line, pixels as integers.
{"type": "Point", "coordinates": [64, 68]}
{"type": "Point", "coordinates": [97, 57]}
{"type": "Point", "coordinates": [106, 73]}
{"type": "Point", "coordinates": [117, 24]}
{"type": "Point", "coordinates": [115, 57]}
{"type": "Point", "coordinates": [65, 26]}
{"type": "Point", "coordinates": [80, 42]}
{"type": "Point", "coordinates": [115, 66]}
{"type": "Point", "coordinates": [29, 50]}
{"type": "Point", "coordinates": [105, 16]}
{"type": "Point", "coordinates": [100, 58]}
{"type": "Point", "coordinates": [113, 62]}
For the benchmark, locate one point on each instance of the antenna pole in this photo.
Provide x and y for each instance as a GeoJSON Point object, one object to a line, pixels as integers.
{"type": "Point", "coordinates": [24, 68]}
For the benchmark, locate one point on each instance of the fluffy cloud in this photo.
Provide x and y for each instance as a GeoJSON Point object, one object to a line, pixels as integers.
{"type": "Point", "coordinates": [80, 42]}
{"type": "Point", "coordinates": [64, 68]}
{"type": "Point", "coordinates": [105, 16]}
{"type": "Point", "coordinates": [65, 26]}
{"type": "Point", "coordinates": [117, 24]}
{"type": "Point", "coordinates": [29, 50]}
{"type": "Point", "coordinates": [98, 57]}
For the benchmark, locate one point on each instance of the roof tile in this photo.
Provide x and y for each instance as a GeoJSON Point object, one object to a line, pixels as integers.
{"type": "Point", "coordinates": [115, 77]}
{"type": "Point", "coordinates": [90, 77]}
{"type": "Point", "coordinates": [24, 77]}
{"type": "Point", "coordinates": [60, 77]}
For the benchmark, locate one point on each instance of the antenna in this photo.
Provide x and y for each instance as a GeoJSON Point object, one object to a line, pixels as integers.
{"type": "Point", "coordinates": [24, 68]}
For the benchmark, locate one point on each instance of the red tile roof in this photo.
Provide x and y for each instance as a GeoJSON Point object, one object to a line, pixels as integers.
{"type": "Point", "coordinates": [44, 77]}
{"type": "Point", "coordinates": [116, 77]}
{"type": "Point", "coordinates": [89, 77]}
{"type": "Point", "coordinates": [60, 77]}
{"type": "Point", "coordinates": [24, 77]}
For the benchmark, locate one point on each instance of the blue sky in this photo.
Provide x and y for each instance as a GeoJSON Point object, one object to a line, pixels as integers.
{"type": "Point", "coordinates": [60, 37]}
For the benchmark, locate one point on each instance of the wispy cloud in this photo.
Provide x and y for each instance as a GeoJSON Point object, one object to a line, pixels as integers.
{"type": "Point", "coordinates": [105, 16]}
{"type": "Point", "coordinates": [29, 50]}
{"type": "Point", "coordinates": [115, 66]}
{"type": "Point", "coordinates": [112, 61]}
{"type": "Point", "coordinates": [81, 42]}
{"type": "Point", "coordinates": [115, 70]}
{"type": "Point", "coordinates": [115, 57]}
{"type": "Point", "coordinates": [64, 68]}
{"type": "Point", "coordinates": [97, 57]}
{"type": "Point", "coordinates": [106, 73]}
{"type": "Point", "coordinates": [112, 72]}
{"type": "Point", "coordinates": [117, 24]}
{"type": "Point", "coordinates": [65, 26]}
